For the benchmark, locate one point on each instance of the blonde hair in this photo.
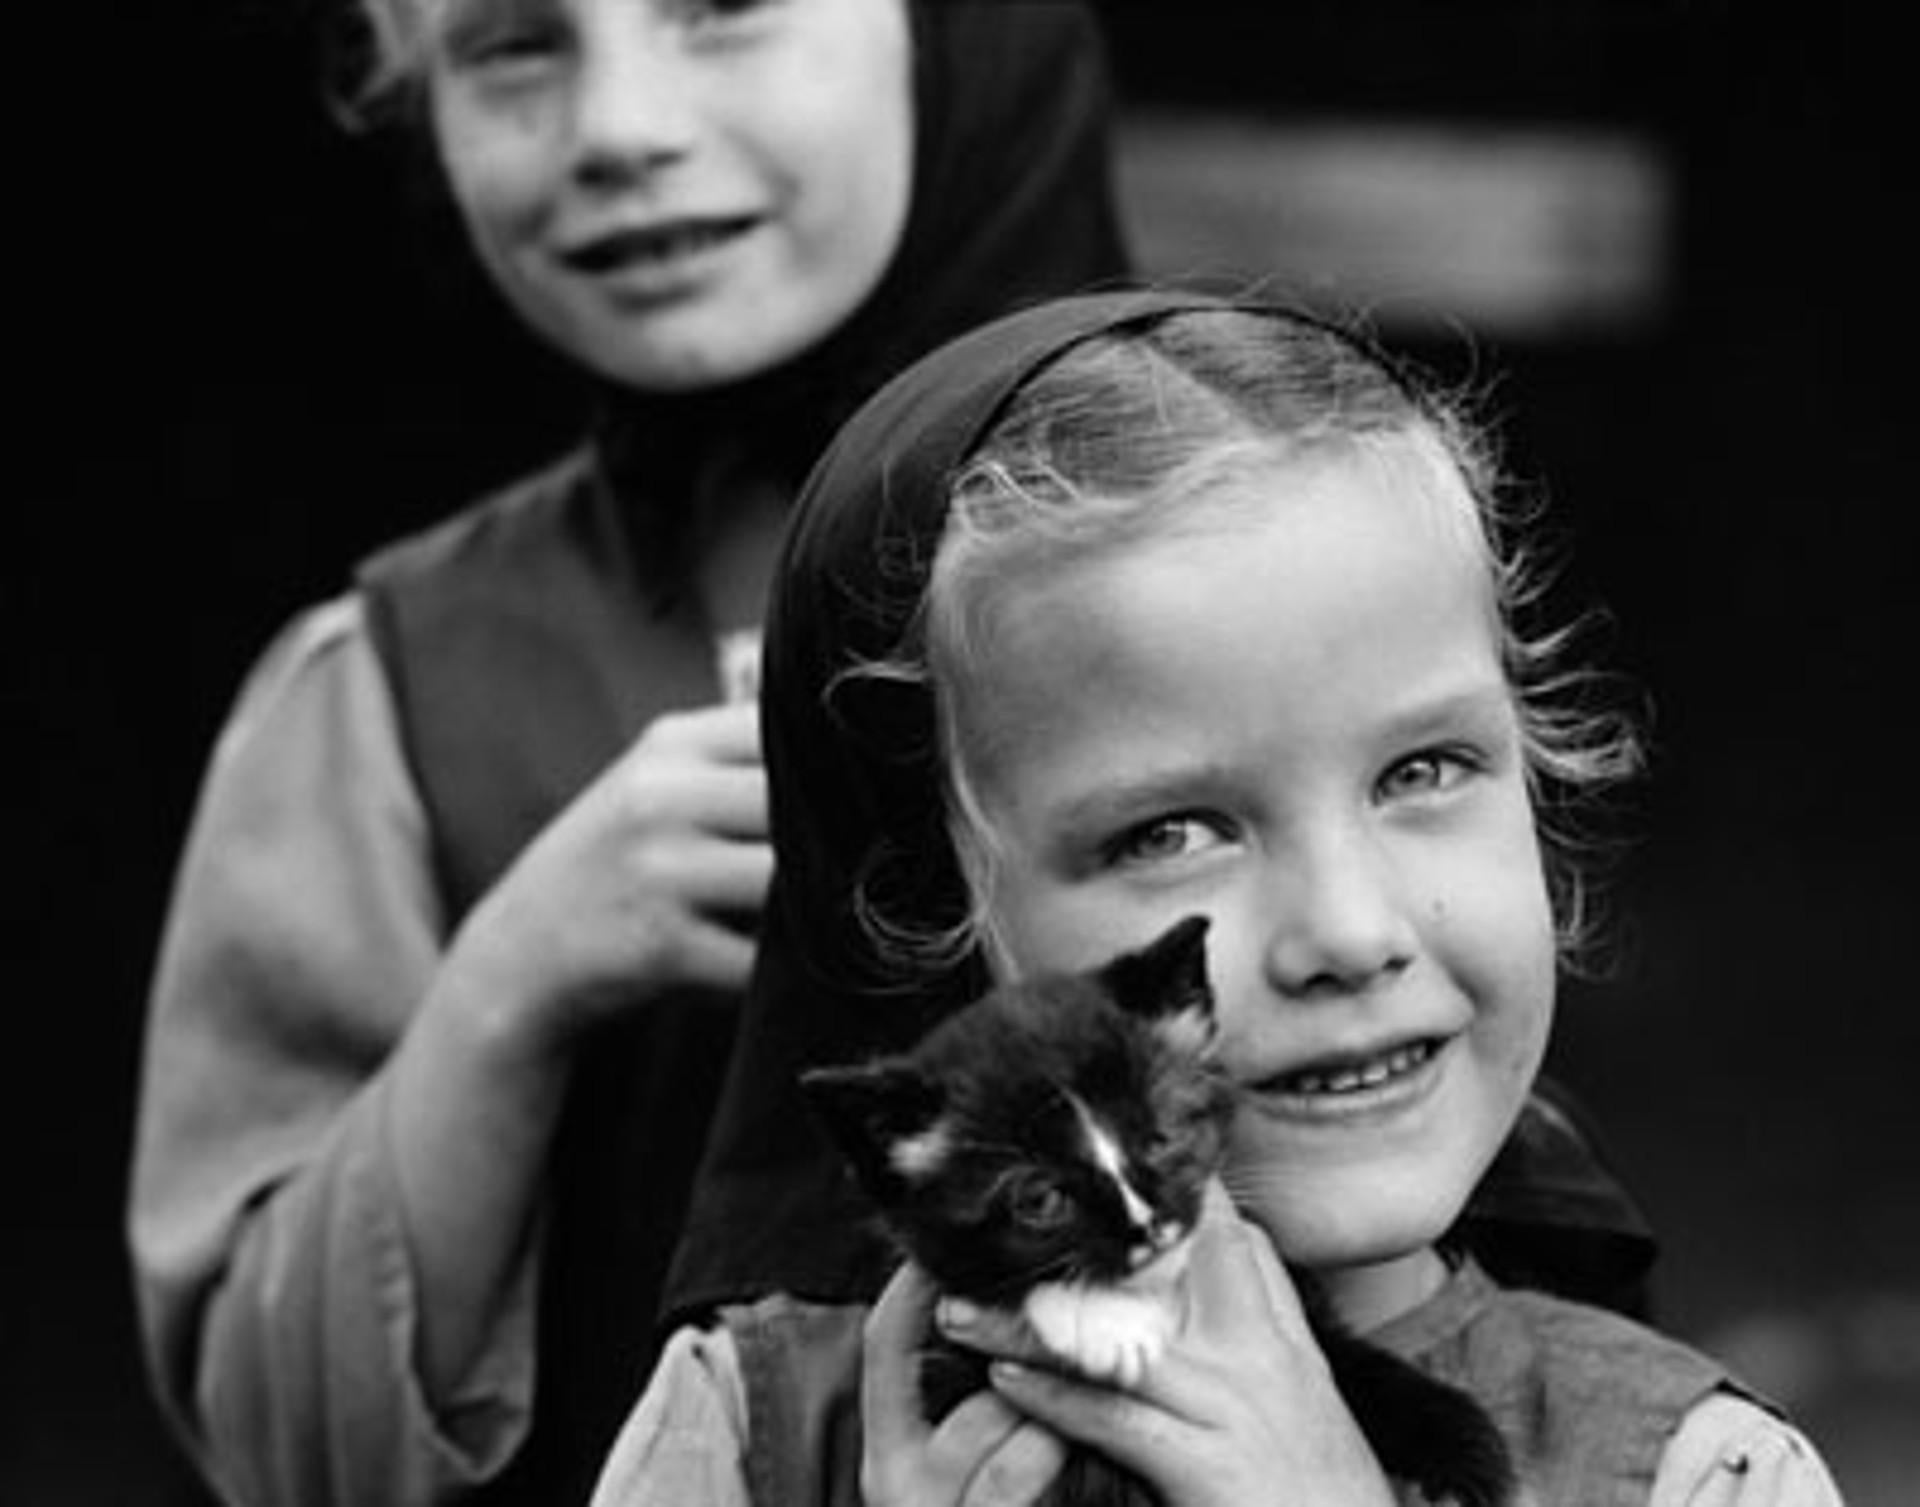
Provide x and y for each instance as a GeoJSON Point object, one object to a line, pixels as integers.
{"type": "Point", "coordinates": [1137, 435]}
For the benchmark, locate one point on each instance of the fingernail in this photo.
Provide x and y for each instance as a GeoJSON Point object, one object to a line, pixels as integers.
{"type": "Point", "coordinates": [956, 1313]}
{"type": "Point", "coordinates": [1010, 1371]}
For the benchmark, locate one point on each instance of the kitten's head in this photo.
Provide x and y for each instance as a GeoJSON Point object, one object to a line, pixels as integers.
{"type": "Point", "coordinates": [1060, 1129]}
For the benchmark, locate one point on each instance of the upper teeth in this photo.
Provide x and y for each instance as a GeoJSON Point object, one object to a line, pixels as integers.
{"type": "Point", "coordinates": [1345, 1080]}
{"type": "Point", "coordinates": [686, 238]}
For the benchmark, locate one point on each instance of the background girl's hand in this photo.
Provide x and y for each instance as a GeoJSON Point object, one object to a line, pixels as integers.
{"type": "Point", "coordinates": [1241, 1409]}
{"type": "Point", "coordinates": [653, 877]}
{"type": "Point", "coordinates": [982, 1454]}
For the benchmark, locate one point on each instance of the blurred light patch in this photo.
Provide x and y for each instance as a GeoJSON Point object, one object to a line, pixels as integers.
{"type": "Point", "coordinates": [1841, 1347]}
{"type": "Point", "coordinates": [1534, 233]}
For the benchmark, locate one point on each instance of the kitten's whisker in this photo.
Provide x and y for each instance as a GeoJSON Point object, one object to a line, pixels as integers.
{"type": "Point", "coordinates": [1244, 1184]}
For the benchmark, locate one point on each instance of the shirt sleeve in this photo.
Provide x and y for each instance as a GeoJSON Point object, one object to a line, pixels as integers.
{"type": "Point", "coordinates": [1729, 1452]}
{"type": "Point", "coordinates": [276, 1298]}
{"type": "Point", "coordinates": [685, 1441]}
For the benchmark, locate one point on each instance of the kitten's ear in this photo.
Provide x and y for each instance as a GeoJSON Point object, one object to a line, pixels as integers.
{"type": "Point", "coordinates": [884, 1116]}
{"type": "Point", "coordinates": [1167, 979]}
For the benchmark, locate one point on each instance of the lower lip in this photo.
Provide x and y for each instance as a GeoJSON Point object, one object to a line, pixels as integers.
{"type": "Point", "coordinates": [660, 279]}
{"type": "Point", "coordinates": [1384, 1100]}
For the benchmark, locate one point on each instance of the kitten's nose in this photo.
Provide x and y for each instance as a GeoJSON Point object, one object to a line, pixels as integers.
{"type": "Point", "coordinates": [1161, 1234]}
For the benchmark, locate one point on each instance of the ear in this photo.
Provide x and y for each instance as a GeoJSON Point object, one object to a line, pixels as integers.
{"type": "Point", "coordinates": [884, 1116]}
{"type": "Point", "coordinates": [1166, 979]}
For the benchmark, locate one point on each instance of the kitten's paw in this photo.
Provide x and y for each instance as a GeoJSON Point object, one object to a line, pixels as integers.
{"type": "Point", "coordinates": [1107, 1335]}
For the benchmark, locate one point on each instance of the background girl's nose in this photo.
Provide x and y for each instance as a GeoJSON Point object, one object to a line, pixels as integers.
{"type": "Point", "coordinates": [1336, 923]}
{"type": "Point", "coordinates": [633, 103]}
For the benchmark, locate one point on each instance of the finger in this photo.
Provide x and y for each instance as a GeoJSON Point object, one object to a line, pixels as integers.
{"type": "Point", "coordinates": [990, 1331]}
{"type": "Point", "coordinates": [713, 875]}
{"type": "Point", "coordinates": [1236, 1283]}
{"type": "Point", "coordinates": [713, 956]}
{"type": "Point", "coordinates": [721, 799]}
{"type": "Point", "coordinates": [889, 1373]}
{"type": "Point", "coordinates": [973, 1430]}
{"type": "Point", "coordinates": [728, 733]}
{"type": "Point", "coordinates": [1019, 1470]}
{"type": "Point", "coordinates": [736, 803]}
{"type": "Point", "coordinates": [1124, 1427]}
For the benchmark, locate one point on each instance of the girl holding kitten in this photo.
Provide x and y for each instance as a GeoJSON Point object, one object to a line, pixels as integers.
{"type": "Point", "coordinates": [1128, 608]}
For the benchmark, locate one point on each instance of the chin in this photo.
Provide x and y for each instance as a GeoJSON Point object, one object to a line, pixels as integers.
{"type": "Point", "coordinates": [1362, 1240]}
{"type": "Point", "coordinates": [1357, 1219]}
{"type": "Point", "coordinates": [692, 364]}
{"type": "Point", "coordinates": [725, 335]}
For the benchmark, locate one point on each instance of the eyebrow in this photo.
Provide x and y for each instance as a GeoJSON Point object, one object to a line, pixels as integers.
{"type": "Point", "coordinates": [1480, 700]}
{"type": "Point", "coordinates": [1154, 791]}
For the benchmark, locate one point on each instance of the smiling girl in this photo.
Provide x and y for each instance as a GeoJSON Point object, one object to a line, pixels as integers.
{"type": "Point", "coordinates": [1189, 608]}
{"type": "Point", "coordinates": [456, 944]}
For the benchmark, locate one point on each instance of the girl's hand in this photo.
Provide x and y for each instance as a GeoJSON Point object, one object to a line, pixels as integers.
{"type": "Point", "coordinates": [982, 1454]}
{"type": "Point", "coordinates": [652, 878]}
{"type": "Point", "coordinates": [1240, 1409]}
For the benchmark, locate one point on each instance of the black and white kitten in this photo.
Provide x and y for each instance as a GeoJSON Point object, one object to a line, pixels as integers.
{"type": "Point", "coordinates": [1045, 1151]}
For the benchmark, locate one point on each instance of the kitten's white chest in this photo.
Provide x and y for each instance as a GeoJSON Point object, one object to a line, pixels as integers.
{"type": "Point", "coordinates": [1110, 1334]}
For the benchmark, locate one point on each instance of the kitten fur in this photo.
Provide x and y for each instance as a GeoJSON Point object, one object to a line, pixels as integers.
{"type": "Point", "coordinates": [1046, 1150]}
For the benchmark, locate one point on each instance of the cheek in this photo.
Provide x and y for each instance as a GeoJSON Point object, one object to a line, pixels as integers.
{"type": "Point", "coordinates": [495, 176]}
{"type": "Point", "coordinates": [845, 136]}
{"type": "Point", "coordinates": [1496, 941]}
{"type": "Point", "coordinates": [1486, 909]}
{"type": "Point", "coordinates": [1040, 933]}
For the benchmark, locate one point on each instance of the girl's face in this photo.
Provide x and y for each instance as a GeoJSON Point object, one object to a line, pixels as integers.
{"type": "Point", "coordinates": [1295, 723]}
{"type": "Point", "coordinates": [678, 193]}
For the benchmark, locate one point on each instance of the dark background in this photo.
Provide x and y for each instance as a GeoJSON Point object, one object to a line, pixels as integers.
{"type": "Point", "coordinates": [248, 355]}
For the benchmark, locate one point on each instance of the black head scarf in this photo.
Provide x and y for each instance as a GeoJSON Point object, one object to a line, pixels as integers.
{"type": "Point", "coordinates": [1011, 201]}
{"type": "Point", "coordinates": [856, 807]}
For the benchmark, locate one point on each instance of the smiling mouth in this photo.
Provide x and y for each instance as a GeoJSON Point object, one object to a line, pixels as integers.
{"type": "Point", "coordinates": [1353, 1077]}
{"type": "Point", "coordinates": [657, 246]}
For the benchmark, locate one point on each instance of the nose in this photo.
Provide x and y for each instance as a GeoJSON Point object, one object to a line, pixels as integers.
{"type": "Point", "coordinates": [1339, 924]}
{"type": "Point", "coordinates": [634, 98]}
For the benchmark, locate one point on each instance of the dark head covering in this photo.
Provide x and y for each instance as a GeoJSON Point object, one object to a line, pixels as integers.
{"type": "Point", "coordinates": [1011, 202]}
{"type": "Point", "coordinates": [532, 663]}
{"type": "Point", "coordinates": [856, 808]}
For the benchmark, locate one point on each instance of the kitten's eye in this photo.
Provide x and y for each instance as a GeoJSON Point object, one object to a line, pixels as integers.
{"type": "Point", "coordinates": [1039, 1203]}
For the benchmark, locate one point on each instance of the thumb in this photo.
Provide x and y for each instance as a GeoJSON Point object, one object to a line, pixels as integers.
{"type": "Point", "coordinates": [1236, 1278]}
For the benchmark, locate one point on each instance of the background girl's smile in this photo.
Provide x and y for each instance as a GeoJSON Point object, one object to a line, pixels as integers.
{"type": "Point", "coordinates": [657, 244]}
{"type": "Point", "coordinates": [682, 196]}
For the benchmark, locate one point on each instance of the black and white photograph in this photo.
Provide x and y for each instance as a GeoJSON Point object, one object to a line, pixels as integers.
{"type": "Point", "coordinates": [924, 752]}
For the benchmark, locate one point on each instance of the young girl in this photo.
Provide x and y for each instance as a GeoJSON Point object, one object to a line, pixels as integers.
{"type": "Point", "coordinates": [452, 961]}
{"type": "Point", "coordinates": [1130, 608]}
